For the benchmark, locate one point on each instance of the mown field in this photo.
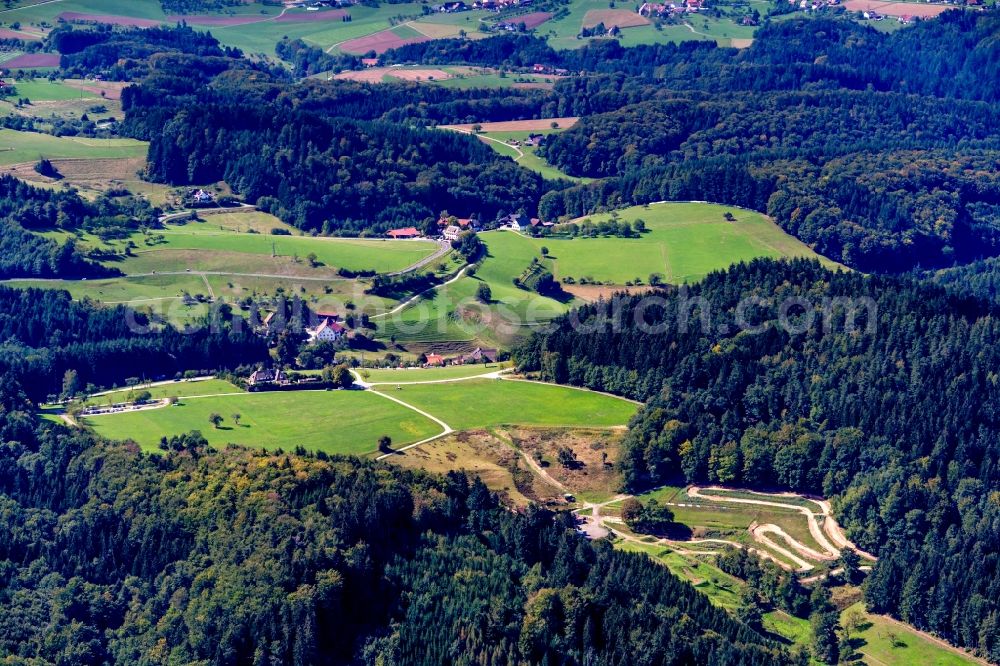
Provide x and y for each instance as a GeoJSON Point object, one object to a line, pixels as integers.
{"type": "Point", "coordinates": [490, 402]}
{"type": "Point", "coordinates": [213, 243]}
{"type": "Point", "coordinates": [392, 375]}
{"type": "Point", "coordinates": [172, 390]}
{"type": "Point", "coordinates": [352, 421]}
{"type": "Point", "coordinates": [17, 147]}
{"type": "Point", "coordinates": [349, 422]}
{"type": "Point", "coordinates": [684, 243]}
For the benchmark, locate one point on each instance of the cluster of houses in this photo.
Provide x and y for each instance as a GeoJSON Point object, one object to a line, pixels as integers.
{"type": "Point", "coordinates": [652, 9]}
{"type": "Point", "coordinates": [450, 7]}
{"type": "Point", "coordinates": [449, 228]}
{"type": "Point", "coordinates": [328, 329]}
{"type": "Point", "coordinates": [478, 355]}
{"type": "Point", "coordinates": [532, 140]}
{"type": "Point", "coordinates": [264, 376]}
{"type": "Point", "coordinates": [499, 5]}
{"type": "Point", "coordinates": [315, 5]}
{"type": "Point", "coordinates": [275, 379]}
{"type": "Point", "coordinates": [518, 222]}
{"type": "Point", "coordinates": [539, 68]}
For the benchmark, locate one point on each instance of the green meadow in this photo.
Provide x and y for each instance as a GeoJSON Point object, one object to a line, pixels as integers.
{"type": "Point", "coordinates": [17, 147]}
{"type": "Point", "coordinates": [393, 375]}
{"type": "Point", "coordinates": [43, 90]}
{"type": "Point", "coordinates": [881, 640]}
{"type": "Point", "coordinates": [354, 254]}
{"type": "Point", "coordinates": [684, 242]}
{"type": "Point", "coordinates": [200, 387]}
{"type": "Point", "coordinates": [452, 312]}
{"type": "Point", "coordinates": [480, 403]}
{"type": "Point", "coordinates": [348, 422]}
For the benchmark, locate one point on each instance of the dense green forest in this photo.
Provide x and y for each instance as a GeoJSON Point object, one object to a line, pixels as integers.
{"type": "Point", "coordinates": [47, 335]}
{"type": "Point", "coordinates": [238, 557]}
{"type": "Point", "coordinates": [980, 279]}
{"type": "Point", "coordinates": [887, 402]}
{"type": "Point", "coordinates": [25, 209]}
{"type": "Point", "coordinates": [320, 156]}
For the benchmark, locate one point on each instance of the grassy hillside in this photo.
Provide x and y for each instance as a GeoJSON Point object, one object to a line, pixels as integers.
{"type": "Point", "coordinates": [228, 257]}
{"type": "Point", "coordinates": [490, 402]}
{"type": "Point", "coordinates": [452, 312]}
{"type": "Point", "coordinates": [684, 243]}
{"type": "Point", "coordinates": [330, 421]}
{"type": "Point", "coordinates": [17, 147]}
{"type": "Point", "coordinates": [391, 375]}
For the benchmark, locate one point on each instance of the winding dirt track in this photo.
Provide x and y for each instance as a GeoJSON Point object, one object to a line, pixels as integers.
{"type": "Point", "coordinates": [775, 540]}
{"type": "Point", "coordinates": [830, 531]}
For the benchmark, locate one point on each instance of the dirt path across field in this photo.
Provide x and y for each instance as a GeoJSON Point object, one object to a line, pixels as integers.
{"type": "Point", "coordinates": [760, 533]}
{"type": "Point", "coordinates": [830, 552]}
{"type": "Point", "coordinates": [533, 124]}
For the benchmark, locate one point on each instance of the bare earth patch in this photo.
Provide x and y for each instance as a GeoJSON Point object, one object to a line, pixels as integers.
{"type": "Point", "coordinates": [609, 17]}
{"type": "Point", "coordinates": [594, 292]}
{"type": "Point", "coordinates": [595, 451]}
{"type": "Point", "coordinates": [6, 33]}
{"type": "Point", "coordinates": [90, 176]}
{"type": "Point", "coordinates": [532, 20]}
{"type": "Point", "coordinates": [105, 89]}
{"type": "Point", "coordinates": [378, 74]}
{"type": "Point", "coordinates": [380, 42]}
{"type": "Point", "coordinates": [518, 125]}
{"type": "Point", "coordinates": [436, 30]}
{"type": "Point", "coordinates": [33, 60]}
{"type": "Point", "coordinates": [481, 454]}
{"type": "Point", "coordinates": [896, 8]}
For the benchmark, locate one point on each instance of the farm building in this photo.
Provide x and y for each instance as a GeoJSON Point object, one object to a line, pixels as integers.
{"type": "Point", "coordinates": [462, 222]}
{"type": "Point", "coordinates": [405, 232]}
{"type": "Point", "coordinates": [266, 376]}
{"type": "Point", "coordinates": [479, 355]}
{"type": "Point", "coordinates": [327, 331]}
{"type": "Point", "coordinates": [452, 232]}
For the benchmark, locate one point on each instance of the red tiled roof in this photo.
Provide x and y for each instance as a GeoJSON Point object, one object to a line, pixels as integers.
{"type": "Point", "coordinates": [405, 232]}
{"type": "Point", "coordinates": [335, 327]}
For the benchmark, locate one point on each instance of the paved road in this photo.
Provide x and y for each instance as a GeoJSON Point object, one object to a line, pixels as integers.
{"type": "Point", "coordinates": [414, 297]}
